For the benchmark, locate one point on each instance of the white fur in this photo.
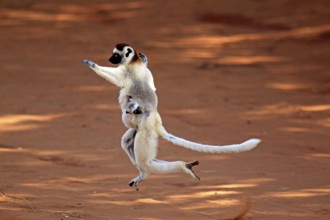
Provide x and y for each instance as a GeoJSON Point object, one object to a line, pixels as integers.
{"type": "Point", "coordinates": [143, 156]}
{"type": "Point", "coordinates": [150, 127]}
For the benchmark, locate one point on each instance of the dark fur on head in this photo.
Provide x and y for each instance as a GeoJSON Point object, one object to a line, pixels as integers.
{"type": "Point", "coordinates": [121, 46]}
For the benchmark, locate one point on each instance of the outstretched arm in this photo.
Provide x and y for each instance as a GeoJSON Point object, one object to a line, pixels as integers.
{"type": "Point", "coordinates": [111, 74]}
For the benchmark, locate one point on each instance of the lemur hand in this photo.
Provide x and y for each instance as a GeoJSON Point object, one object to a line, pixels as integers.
{"type": "Point", "coordinates": [143, 57]}
{"type": "Point", "coordinates": [89, 63]}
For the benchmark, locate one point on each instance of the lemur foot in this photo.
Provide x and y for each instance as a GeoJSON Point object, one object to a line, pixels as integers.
{"type": "Point", "coordinates": [132, 183]}
{"type": "Point", "coordinates": [135, 182]}
{"type": "Point", "coordinates": [190, 166]}
{"type": "Point", "coordinates": [89, 63]}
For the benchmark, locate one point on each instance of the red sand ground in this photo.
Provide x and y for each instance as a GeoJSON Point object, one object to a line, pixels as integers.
{"type": "Point", "coordinates": [225, 71]}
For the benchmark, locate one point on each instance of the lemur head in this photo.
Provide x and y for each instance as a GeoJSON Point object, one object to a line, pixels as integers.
{"type": "Point", "coordinates": [124, 54]}
{"type": "Point", "coordinates": [132, 106]}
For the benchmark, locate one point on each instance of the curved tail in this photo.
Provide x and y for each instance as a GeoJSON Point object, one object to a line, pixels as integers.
{"type": "Point", "coordinates": [234, 148]}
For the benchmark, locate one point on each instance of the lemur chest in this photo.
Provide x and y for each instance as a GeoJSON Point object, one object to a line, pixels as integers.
{"type": "Point", "coordinates": [141, 93]}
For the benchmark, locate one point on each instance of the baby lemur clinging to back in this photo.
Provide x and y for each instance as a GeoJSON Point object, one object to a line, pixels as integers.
{"type": "Point", "coordinates": [145, 125]}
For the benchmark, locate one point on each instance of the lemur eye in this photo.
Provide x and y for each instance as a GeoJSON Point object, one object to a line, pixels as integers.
{"type": "Point", "coordinates": [128, 52]}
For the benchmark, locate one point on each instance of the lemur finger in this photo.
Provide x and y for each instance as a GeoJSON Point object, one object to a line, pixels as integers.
{"type": "Point", "coordinates": [89, 63]}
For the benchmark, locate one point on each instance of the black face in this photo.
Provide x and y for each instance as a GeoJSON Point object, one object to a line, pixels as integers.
{"type": "Point", "coordinates": [115, 58]}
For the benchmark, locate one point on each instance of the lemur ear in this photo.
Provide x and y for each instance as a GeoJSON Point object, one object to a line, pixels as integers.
{"type": "Point", "coordinates": [128, 52]}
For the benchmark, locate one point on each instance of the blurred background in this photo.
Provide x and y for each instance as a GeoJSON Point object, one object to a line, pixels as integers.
{"type": "Point", "coordinates": [225, 71]}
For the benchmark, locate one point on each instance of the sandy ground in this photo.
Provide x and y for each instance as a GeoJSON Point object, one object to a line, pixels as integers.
{"type": "Point", "coordinates": [225, 71]}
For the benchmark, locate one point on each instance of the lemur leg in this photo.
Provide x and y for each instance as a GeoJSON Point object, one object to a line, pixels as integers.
{"type": "Point", "coordinates": [165, 167]}
{"type": "Point", "coordinates": [143, 175]}
{"type": "Point", "coordinates": [145, 148]}
{"type": "Point", "coordinates": [145, 151]}
{"type": "Point", "coordinates": [127, 144]}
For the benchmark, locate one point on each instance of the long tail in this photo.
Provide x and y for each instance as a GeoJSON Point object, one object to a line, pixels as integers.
{"type": "Point", "coordinates": [234, 148]}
